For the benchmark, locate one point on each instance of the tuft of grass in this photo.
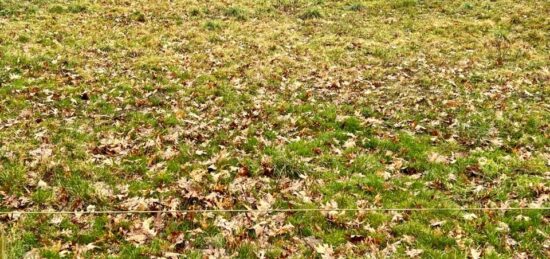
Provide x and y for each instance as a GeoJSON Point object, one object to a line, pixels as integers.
{"type": "Point", "coordinates": [311, 13]}
{"type": "Point", "coordinates": [236, 12]}
{"type": "Point", "coordinates": [195, 12]}
{"type": "Point", "coordinates": [213, 25]}
{"type": "Point", "coordinates": [288, 166]}
{"type": "Point", "coordinates": [351, 124]}
{"type": "Point", "coordinates": [246, 251]}
{"type": "Point", "coordinates": [138, 16]}
{"type": "Point", "coordinates": [75, 8]}
{"type": "Point", "coordinates": [403, 3]}
{"type": "Point", "coordinates": [57, 9]}
{"type": "Point", "coordinates": [467, 6]}
{"type": "Point", "coordinates": [287, 5]}
{"type": "Point", "coordinates": [356, 6]}
{"type": "Point", "coordinates": [12, 245]}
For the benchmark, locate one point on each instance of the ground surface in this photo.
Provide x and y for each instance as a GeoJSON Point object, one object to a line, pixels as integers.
{"type": "Point", "coordinates": [158, 105]}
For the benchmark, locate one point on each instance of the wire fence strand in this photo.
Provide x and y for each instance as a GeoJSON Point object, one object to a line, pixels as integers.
{"type": "Point", "coordinates": [273, 210]}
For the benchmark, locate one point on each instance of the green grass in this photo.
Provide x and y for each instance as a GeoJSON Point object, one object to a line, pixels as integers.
{"type": "Point", "coordinates": [274, 104]}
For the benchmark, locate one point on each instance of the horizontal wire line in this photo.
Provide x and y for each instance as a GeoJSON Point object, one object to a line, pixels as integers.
{"type": "Point", "coordinates": [264, 211]}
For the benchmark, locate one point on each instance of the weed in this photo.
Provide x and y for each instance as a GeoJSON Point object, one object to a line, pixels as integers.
{"type": "Point", "coordinates": [501, 45]}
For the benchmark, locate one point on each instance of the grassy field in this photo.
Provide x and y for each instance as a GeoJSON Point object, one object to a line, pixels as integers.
{"type": "Point", "coordinates": [171, 105]}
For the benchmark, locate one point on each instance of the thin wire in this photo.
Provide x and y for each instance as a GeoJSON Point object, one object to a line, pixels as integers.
{"type": "Point", "coordinates": [266, 211]}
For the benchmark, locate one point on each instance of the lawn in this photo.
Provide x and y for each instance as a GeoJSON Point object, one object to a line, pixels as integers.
{"type": "Point", "coordinates": [278, 104]}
